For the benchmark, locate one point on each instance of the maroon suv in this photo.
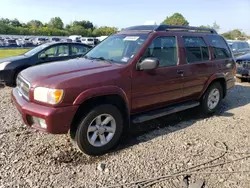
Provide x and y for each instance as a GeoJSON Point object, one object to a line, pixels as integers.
{"type": "Point", "coordinates": [138, 74]}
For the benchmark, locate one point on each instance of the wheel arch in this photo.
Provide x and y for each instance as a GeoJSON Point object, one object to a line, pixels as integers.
{"type": "Point", "coordinates": [87, 102]}
{"type": "Point", "coordinates": [216, 78]}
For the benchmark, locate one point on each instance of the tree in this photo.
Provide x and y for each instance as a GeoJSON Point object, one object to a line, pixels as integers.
{"type": "Point", "coordinates": [176, 19]}
{"type": "Point", "coordinates": [104, 31]}
{"type": "Point", "coordinates": [215, 26]}
{"type": "Point", "coordinates": [5, 21]}
{"type": "Point", "coordinates": [234, 34]}
{"type": "Point", "coordinates": [35, 23]}
{"type": "Point", "coordinates": [85, 24]}
{"type": "Point", "coordinates": [56, 23]}
{"type": "Point", "coordinates": [15, 23]}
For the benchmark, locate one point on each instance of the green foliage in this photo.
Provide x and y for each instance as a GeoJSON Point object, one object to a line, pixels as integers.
{"type": "Point", "coordinates": [215, 26]}
{"type": "Point", "coordinates": [176, 19]}
{"type": "Point", "coordinates": [104, 31]}
{"type": "Point", "coordinates": [34, 24]}
{"type": "Point", "coordinates": [56, 23]}
{"type": "Point", "coordinates": [234, 34]}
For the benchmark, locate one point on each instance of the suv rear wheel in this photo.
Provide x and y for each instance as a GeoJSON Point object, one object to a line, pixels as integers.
{"type": "Point", "coordinates": [100, 130]}
{"type": "Point", "coordinates": [212, 98]}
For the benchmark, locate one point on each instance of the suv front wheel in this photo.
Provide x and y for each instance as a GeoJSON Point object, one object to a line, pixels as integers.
{"type": "Point", "coordinates": [100, 130]}
{"type": "Point", "coordinates": [212, 99]}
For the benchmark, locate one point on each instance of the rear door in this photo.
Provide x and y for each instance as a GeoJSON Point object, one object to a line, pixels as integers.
{"type": "Point", "coordinates": [78, 50]}
{"type": "Point", "coordinates": [197, 65]}
{"type": "Point", "coordinates": [162, 86]}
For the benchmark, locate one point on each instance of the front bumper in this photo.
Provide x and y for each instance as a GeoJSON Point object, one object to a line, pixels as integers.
{"type": "Point", "coordinates": [58, 120]}
{"type": "Point", "coordinates": [5, 76]}
{"type": "Point", "coordinates": [242, 72]}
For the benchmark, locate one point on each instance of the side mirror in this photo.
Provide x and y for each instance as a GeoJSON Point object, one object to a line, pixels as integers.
{"type": "Point", "coordinates": [148, 64]}
{"type": "Point", "coordinates": [43, 56]}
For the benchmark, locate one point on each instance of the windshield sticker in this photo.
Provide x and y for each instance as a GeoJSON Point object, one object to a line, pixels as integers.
{"type": "Point", "coordinates": [131, 38]}
{"type": "Point", "coordinates": [125, 59]}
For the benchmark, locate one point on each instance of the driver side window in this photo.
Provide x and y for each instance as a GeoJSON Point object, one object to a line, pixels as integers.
{"type": "Point", "coordinates": [55, 51]}
{"type": "Point", "coordinates": [164, 49]}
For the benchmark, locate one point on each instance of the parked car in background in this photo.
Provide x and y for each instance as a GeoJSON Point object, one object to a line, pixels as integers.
{"type": "Point", "coordinates": [96, 41]}
{"type": "Point", "coordinates": [1, 42]}
{"type": "Point", "coordinates": [239, 47]}
{"type": "Point", "coordinates": [243, 68]}
{"type": "Point", "coordinates": [54, 39]}
{"type": "Point", "coordinates": [45, 53]}
{"type": "Point", "coordinates": [39, 41]}
{"type": "Point", "coordinates": [10, 42]}
{"type": "Point", "coordinates": [138, 74]}
{"type": "Point", "coordinates": [66, 40]}
{"type": "Point", "coordinates": [88, 40]}
{"type": "Point", "coordinates": [75, 38]}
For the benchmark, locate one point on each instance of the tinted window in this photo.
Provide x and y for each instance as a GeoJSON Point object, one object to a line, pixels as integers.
{"type": "Point", "coordinates": [79, 49]}
{"type": "Point", "coordinates": [221, 50]}
{"type": "Point", "coordinates": [196, 49]}
{"type": "Point", "coordinates": [56, 51]}
{"type": "Point", "coordinates": [164, 49]}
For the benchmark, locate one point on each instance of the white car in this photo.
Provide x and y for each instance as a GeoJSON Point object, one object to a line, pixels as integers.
{"type": "Point", "coordinates": [88, 40]}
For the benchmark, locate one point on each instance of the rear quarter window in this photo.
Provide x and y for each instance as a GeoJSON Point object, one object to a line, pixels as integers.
{"type": "Point", "coordinates": [220, 47]}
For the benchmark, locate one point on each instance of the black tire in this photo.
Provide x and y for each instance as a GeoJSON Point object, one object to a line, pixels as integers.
{"type": "Point", "coordinates": [204, 102]}
{"type": "Point", "coordinates": [81, 137]}
{"type": "Point", "coordinates": [239, 80]}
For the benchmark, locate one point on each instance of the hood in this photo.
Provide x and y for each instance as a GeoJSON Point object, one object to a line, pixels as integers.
{"type": "Point", "coordinates": [243, 57]}
{"type": "Point", "coordinates": [55, 69]}
{"type": "Point", "coordinates": [14, 58]}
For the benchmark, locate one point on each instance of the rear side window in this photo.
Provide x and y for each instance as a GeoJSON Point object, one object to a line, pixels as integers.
{"type": "Point", "coordinates": [196, 49]}
{"type": "Point", "coordinates": [221, 49]}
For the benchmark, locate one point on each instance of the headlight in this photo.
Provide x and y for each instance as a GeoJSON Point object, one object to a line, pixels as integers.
{"type": "Point", "coordinates": [47, 95]}
{"type": "Point", "coordinates": [3, 65]}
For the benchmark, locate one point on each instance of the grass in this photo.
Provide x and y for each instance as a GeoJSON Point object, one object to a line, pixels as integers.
{"type": "Point", "coordinates": [11, 52]}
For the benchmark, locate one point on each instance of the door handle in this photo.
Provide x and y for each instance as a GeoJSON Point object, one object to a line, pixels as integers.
{"type": "Point", "coordinates": [181, 72]}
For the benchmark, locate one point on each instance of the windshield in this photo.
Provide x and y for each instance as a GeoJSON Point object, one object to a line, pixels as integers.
{"type": "Point", "coordinates": [36, 50]}
{"type": "Point", "coordinates": [118, 48]}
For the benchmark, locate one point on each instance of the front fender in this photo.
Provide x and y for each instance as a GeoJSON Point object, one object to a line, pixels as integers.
{"type": "Point", "coordinates": [101, 91]}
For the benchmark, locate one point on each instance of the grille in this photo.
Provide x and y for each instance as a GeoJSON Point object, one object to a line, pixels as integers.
{"type": "Point", "coordinates": [23, 87]}
{"type": "Point", "coordinates": [244, 64]}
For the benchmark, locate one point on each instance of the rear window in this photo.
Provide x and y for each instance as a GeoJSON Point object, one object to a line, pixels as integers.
{"type": "Point", "coordinates": [196, 49]}
{"type": "Point", "coordinates": [220, 47]}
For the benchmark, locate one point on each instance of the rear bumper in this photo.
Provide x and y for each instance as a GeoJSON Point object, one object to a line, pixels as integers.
{"type": "Point", "coordinates": [58, 120]}
{"type": "Point", "coordinates": [231, 83]}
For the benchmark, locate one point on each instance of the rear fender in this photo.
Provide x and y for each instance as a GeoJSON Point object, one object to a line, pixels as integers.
{"type": "Point", "coordinates": [213, 78]}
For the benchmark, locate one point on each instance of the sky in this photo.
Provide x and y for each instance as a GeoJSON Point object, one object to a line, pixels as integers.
{"type": "Point", "coordinates": [229, 14]}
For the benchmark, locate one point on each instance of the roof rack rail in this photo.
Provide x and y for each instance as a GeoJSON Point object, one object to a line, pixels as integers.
{"type": "Point", "coordinates": [184, 28]}
{"type": "Point", "coordinates": [168, 28]}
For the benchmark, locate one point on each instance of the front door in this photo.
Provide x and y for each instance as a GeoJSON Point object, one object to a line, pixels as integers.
{"type": "Point", "coordinates": [162, 86]}
{"type": "Point", "coordinates": [58, 52]}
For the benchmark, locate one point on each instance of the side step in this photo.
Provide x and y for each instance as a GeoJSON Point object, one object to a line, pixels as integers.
{"type": "Point", "coordinates": [163, 112]}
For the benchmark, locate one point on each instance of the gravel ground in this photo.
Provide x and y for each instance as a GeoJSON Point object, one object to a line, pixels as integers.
{"type": "Point", "coordinates": [160, 147]}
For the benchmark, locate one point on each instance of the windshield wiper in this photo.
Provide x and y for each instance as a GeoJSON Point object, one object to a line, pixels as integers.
{"type": "Point", "coordinates": [102, 58]}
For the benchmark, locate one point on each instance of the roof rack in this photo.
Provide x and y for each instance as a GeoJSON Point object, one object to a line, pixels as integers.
{"type": "Point", "coordinates": [184, 28]}
{"type": "Point", "coordinates": [169, 28]}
